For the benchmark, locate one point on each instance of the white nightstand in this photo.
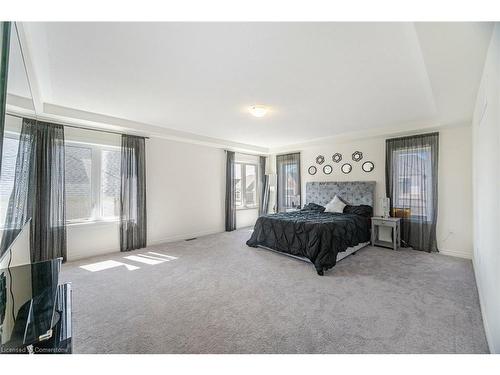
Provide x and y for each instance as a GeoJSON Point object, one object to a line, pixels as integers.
{"type": "Point", "coordinates": [391, 222]}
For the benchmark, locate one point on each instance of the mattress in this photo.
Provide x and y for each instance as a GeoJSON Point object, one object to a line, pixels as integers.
{"type": "Point", "coordinates": [340, 256]}
{"type": "Point", "coordinates": [351, 250]}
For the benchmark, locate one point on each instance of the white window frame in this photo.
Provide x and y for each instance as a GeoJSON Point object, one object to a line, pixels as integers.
{"type": "Point", "coordinates": [244, 205]}
{"type": "Point", "coordinates": [95, 183]}
{"type": "Point", "coordinates": [428, 202]}
{"type": "Point", "coordinates": [15, 136]}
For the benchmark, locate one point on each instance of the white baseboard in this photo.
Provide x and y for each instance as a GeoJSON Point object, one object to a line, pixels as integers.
{"type": "Point", "coordinates": [76, 256]}
{"type": "Point", "coordinates": [457, 253]}
{"type": "Point", "coordinates": [481, 305]}
{"type": "Point", "coordinates": [183, 237]}
{"type": "Point", "coordinates": [79, 256]}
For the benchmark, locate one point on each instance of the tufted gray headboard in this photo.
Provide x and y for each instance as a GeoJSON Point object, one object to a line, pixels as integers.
{"type": "Point", "coordinates": [353, 192]}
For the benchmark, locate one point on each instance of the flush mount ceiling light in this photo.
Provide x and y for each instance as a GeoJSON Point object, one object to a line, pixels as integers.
{"type": "Point", "coordinates": [258, 110]}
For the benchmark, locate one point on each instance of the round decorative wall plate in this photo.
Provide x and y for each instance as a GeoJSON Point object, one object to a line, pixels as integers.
{"type": "Point", "coordinates": [337, 157]}
{"type": "Point", "coordinates": [357, 156]}
{"type": "Point", "coordinates": [320, 159]}
{"type": "Point", "coordinates": [368, 166]}
{"type": "Point", "coordinates": [312, 170]}
{"type": "Point", "coordinates": [327, 169]}
{"type": "Point", "coordinates": [346, 168]}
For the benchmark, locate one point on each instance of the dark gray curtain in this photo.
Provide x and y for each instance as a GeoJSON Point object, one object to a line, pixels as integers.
{"type": "Point", "coordinates": [288, 181]}
{"type": "Point", "coordinates": [264, 182]}
{"type": "Point", "coordinates": [39, 191]}
{"type": "Point", "coordinates": [230, 193]}
{"type": "Point", "coordinates": [133, 193]}
{"type": "Point", "coordinates": [411, 174]}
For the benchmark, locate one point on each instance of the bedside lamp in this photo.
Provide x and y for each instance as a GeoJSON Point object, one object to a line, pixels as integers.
{"type": "Point", "coordinates": [385, 204]}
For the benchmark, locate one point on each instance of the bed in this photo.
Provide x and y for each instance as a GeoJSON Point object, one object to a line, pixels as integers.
{"type": "Point", "coordinates": [323, 238]}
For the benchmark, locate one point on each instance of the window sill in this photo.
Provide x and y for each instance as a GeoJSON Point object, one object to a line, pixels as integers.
{"type": "Point", "coordinates": [247, 208]}
{"type": "Point", "coordinates": [415, 220]}
{"type": "Point", "coordinates": [92, 222]}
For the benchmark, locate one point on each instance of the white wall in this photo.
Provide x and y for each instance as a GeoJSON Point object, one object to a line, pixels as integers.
{"type": "Point", "coordinates": [90, 239]}
{"type": "Point", "coordinates": [246, 217]}
{"type": "Point", "coordinates": [185, 190]}
{"type": "Point", "coordinates": [373, 150]}
{"type": "Point", "coordinates": [454, 225]}
{"type": "Point", "coordinates": [454, 228]}
{"type": "Point", "coordinates": [486, 183]}
{"type": "Point", "coordinates": [185, 198]}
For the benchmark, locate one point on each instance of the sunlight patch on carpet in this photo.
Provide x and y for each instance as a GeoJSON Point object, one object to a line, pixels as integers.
{"type": "Point", "coordinates": [107, 264]}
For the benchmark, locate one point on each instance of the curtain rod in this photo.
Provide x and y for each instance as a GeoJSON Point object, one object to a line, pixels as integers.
{"type": "Point", "coordinates": [74, 126]}
{"type": "Point", "coordinates": [420, 135]}
{"type": "Point", "coordinates": [245, 153]}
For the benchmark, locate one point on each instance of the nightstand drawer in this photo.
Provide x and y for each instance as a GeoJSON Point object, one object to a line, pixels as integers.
{"type": "Point", "coordinates": [384, 222]}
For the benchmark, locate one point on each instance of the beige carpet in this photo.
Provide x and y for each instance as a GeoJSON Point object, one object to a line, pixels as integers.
{"type": "Point", "coordinates": [220, 296]}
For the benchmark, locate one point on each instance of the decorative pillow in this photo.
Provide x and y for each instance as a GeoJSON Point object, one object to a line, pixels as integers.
{"type": "Point", "coordinates": [335, 205]}
{"type": "Point", "coordinates": [313, 207]}
{"type": "Point", "coordinates": [362, 209]}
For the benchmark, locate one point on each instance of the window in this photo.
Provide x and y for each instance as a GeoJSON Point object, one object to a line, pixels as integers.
{"type": "Point", "coordinates": [9, 156]}
{"type": "Point", "coordinates": [412, 181]}
{"type": "Point", "coordinates": [92, 175]}
{"type": "Point", "coordinates": [78, 173]}
{"type": "Point", "coordinates": [288, 171]}
{"type": "Point", "coordinates": [245, 176]}
{"type": "Point", "coordinates": [92, 182]}
{"type": "Point", "coordinates": [110, 183]}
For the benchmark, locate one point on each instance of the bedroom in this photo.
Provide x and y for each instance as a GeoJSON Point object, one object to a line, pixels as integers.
{"type": "Point", "coordinates": [250, 187]}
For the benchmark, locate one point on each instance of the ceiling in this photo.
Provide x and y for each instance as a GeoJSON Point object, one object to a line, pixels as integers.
{"type": "Point", "coordinates": [319, 79]}
{"type": "Point", "coordinates": [18, 88]}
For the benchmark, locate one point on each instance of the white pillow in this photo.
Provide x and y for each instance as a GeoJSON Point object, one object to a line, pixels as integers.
{"type": "Point", "coordinates": [335, 205]}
